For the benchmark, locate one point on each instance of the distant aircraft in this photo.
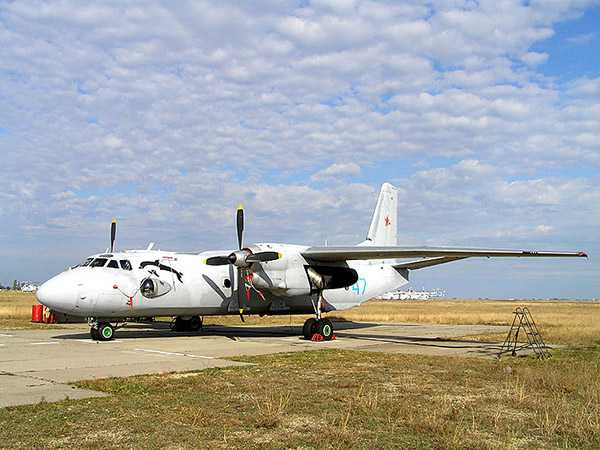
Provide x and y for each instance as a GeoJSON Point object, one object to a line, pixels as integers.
{"type": "Point", "coordinates": [264, 279]}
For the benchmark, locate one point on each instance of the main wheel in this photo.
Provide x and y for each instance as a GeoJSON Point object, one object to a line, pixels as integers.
{"type": "Point", "coordinates": [195, 323]}
{"type": "Point", "coordinates": [309, 328]}
{"type": "Point", "coordinates": [325, 328]}
{"type": "Point", "coordinates": [181, 324]}
{"type": "Point", "coordinates": [105, 331]}
{"type": "Point", "coordinates": [94, 333]}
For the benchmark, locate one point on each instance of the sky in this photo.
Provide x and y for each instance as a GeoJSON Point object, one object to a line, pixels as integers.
{"type": "Point", "coordinates": [167, 115]}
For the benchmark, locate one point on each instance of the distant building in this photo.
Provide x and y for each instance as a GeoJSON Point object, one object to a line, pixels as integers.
{"type": "Point", "coordinates": [28, 287]}
{"type": "Point", "coordinates": [412, 294]}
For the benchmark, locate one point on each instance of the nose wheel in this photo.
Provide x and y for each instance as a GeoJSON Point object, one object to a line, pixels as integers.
{"type": "Point", "coordinates": [102, 331]}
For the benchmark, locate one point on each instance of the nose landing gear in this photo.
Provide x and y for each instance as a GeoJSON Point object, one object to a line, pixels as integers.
{"type": "Point", "coordinates": [102, 331]}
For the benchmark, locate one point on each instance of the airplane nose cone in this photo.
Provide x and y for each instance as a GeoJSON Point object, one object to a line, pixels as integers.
{"type": "Point", "coordinates": [57, 294]}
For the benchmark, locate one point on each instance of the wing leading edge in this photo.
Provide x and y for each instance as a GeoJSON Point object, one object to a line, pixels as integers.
{"type": "Point", "coordinates": [441, 254]}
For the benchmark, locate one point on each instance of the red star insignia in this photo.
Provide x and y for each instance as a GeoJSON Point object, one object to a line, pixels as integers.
{"type": "Point", "coordinates": [387, 221]}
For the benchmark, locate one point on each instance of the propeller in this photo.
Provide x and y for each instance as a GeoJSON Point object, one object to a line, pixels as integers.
{"type": "Point", "coordinates": [113, 234]}
{"type": "Point", "coordinates": [243, 258]}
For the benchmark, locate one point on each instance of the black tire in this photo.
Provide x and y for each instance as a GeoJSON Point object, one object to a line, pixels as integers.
{"type": "Point", "coordinates": [195, 323]}
{"type": "Point", "coordinates": [309, 328]}
{"type": "Point", "coordinates": [325, 328]}
{"type": "Point", "coordinates": [94, 333]}
{"type": "Point", "coordinates": [105, 331]}
{"type": "Point", "coordinates": [181, 325]}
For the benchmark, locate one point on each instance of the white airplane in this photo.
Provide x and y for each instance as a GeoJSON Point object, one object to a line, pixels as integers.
{"type": "Point", "coordinates": [264, 279]}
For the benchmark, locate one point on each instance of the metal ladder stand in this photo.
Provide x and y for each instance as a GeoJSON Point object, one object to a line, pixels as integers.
{"type": "Point", "coordinates": [524, 320]}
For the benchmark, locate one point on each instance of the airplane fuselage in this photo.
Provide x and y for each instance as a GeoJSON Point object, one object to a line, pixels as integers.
{"type": "Point", "coordinates": [160, 283]}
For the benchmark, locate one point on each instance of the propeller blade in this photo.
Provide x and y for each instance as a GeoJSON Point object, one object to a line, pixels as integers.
{"type": "Point", "coordinates": [217, 261]}
{"type": "Point", "coordinates": [240, 295]}
{"type": "Point", "coordinates": [263, 257]}
{"type": "Point", "coordinates": [113, 234]}
{"type": "Point", "coordinates": [240, 225]}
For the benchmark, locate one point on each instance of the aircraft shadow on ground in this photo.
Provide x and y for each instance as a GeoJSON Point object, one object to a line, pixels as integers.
{"type": "Point", "coordinates": [162, 330]}
{"type": "Point", "coordinates": [432, 342]}
{"type": "Point", "coordinates": [345, 330]}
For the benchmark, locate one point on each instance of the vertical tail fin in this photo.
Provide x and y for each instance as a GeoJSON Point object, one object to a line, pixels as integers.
{"type": "Point", "coordinates": [383, 229]}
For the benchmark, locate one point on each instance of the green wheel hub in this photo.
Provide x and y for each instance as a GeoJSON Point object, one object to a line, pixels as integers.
{"type": "Point", "coordinates": [107, 332]}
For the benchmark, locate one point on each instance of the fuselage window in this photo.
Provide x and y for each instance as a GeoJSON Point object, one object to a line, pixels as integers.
{"type": "Point", "coordinates": [125, 264]}
{"type": "Point", "coordinates": [113, 264]}
{"type": "Point", "coordinates": [98, 262]}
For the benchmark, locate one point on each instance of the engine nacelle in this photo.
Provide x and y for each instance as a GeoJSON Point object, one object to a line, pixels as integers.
{"type": "Point", "coordinates": [331, 277]}
{"type": "Point", "coordinates": [153, 288]}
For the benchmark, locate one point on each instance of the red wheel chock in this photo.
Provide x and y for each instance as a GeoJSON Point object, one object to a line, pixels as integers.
{"type": "Point", "coordinates": [318, 337]}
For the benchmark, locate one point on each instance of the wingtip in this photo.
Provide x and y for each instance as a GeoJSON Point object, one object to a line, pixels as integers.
{"type": "Point", "coordinates": [582, 254]}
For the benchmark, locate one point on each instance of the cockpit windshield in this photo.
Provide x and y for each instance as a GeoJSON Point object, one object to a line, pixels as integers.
{"type": "Point", "coordinates": [123, 264]}
{"type": "Point", "coordinates": [86, 262]}
{"type": "Point", "coordinates": [98, 262]}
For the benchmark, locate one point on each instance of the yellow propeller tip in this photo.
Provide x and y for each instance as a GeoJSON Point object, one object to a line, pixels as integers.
{"type": "Point", "coordinates": [240, 206]}
{"type": "Point", "coordinates": [114, 221]}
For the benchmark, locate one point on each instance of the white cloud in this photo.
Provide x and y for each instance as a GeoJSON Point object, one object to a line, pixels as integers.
{"type": "Point", "coordinates": [337, 170]}
{"type": "Point", "coordinates": [581, 39]}
{"type": "Point", "coordinates": [534, 58]}
{"type": "Point", "coordinates": [167, 115]}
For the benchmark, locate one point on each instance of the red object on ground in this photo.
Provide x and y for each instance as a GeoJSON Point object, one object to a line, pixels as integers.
{"type": "Point", "coordinates": [318, 337]}
{"type": "Point", "coordinates": [48, 316]}
{"type": "Point", "coordinates": [37, 313]}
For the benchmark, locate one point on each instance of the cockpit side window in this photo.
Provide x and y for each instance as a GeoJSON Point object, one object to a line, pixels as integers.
{"type": "Point", "coordinates": [125, 264]}
{"type": "Point", "coordinates": [98, 262]}
{"type": "Point", "coordinates": [86, 262]}
{"type": "Point", "coordinates": [113, 264]}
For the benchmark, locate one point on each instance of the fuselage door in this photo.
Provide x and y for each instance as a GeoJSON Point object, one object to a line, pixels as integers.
{"type": "Point", "coordinates": [85, 300]}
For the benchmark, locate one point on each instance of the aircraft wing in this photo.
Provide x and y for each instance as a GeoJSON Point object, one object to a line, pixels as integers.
{"type": "Point", "coordinates": [339, 254]}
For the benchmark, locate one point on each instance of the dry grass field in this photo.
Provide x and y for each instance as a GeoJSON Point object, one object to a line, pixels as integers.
{"type": "Point", "coordinates": [332, 400]}
{"type": "Point", "coordinates": [16, 304]}
{"type": "Point", "coordinates": [15, 310]}
{"type": "Point", "coordinates": [561, 322]}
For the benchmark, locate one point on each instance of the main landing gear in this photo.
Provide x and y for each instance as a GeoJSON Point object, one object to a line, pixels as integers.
{"type": "Point", "coordinates": [102, 331]}
{"type": "Point", "coordinates": [313, 327]}
{"type": "Point", "coordinates": [193, 323]}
